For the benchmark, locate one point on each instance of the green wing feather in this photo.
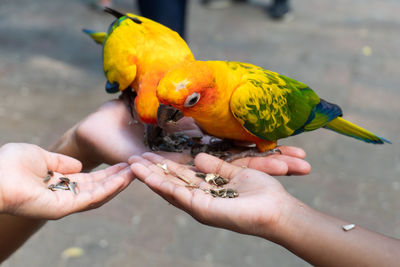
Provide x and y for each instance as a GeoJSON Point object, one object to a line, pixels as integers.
{"type": "Point", "coordinates": [272, 106]}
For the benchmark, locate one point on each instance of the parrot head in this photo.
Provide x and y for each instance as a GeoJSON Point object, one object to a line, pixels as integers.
{"type": "Point", "coordinates": [186, 90]}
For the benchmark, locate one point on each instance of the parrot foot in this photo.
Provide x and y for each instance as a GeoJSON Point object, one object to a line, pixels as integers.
{"type": "Point", "coordinates": [251, 153]}
{"type": "Point", "coordinates": [157, 140]}
{"type": "Point", "coordinates": [216, 147]}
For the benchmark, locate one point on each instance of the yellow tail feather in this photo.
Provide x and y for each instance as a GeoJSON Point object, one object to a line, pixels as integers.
{"type": "Point", "coordinates": [344, 127]}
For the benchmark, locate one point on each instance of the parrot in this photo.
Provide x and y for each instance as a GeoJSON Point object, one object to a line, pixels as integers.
{"type": "Point", "coordinates": [244, 102]}
{"type": "Point", "coordinates": [137, 52]}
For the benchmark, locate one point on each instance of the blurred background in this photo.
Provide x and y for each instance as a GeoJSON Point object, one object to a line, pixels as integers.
{"type": "Point", "coordinates": [347, 51]}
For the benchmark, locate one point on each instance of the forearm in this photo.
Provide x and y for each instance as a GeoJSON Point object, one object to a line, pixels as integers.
{"type": "Point", "coordinates": [321, 240]}
{"type": "Point", "coordinates": [14, 232]}
{"type": "Point", "coordinates": [69, 145]}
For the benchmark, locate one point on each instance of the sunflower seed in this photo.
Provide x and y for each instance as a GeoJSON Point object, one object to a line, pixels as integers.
{"type": "Point", "coordinates": [64, 179]}
{"type": "Point", "coordinates": [164, 167]}
{"type": "Point", "coordinates": [72, 187]}
{"type": "Point", "coordinates": [46, 179]}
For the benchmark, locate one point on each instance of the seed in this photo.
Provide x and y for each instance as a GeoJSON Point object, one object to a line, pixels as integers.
{"type": "Point", "coordinates": [231, 193]}
{"type": "Point", "coordinates": [62, 186]}
{"type": "Point", "coordinates": [223, 192]}
{"type": "Point", "coordinates": [164, 167]}
{"type": "Point", "coordinates": [220, 181]}
{"type": "Point", "coordinates": [46, 179]}
{"type": "Point", "coordinates": [201, 175]}
{"type": "Point", "coordinates": [64, 179]}
{"type": "Point", "coordinates": [210, 177]}
{"type": "Point", "coordinates": [57, 187]}
{"type": "Point", "coordinates": [72, 187]}
{"type": "Point", "coordinates": [216, 179]}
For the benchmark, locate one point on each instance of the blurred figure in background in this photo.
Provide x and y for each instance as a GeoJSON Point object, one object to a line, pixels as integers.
{"type": "Point", "coordinates": [277, 10]}
{"type": "Point", "coordinates": [171, 13]}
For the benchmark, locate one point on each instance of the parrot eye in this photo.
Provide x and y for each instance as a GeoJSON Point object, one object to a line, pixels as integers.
{"type": "Point", "coordinates": [191, 100]}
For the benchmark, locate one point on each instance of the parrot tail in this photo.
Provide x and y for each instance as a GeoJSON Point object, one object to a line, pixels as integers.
{"type": "Point", "coordinates": [342, 126]}
{"type": "Point", "coordinates": [98, 37]}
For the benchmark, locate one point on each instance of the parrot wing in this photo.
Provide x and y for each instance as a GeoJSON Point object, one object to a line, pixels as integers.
{"type": "Point", "coordinates": [120, 53]}
{"type": "Point", "coordinates": [272, 106]}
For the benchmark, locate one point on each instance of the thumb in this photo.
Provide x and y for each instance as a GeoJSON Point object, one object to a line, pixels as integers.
{"type": "Point", "coordinates": [62, 164]}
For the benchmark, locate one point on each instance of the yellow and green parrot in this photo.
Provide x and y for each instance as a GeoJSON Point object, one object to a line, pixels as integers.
{"type": "Point", "coordinates": [241, 101]}
{"type": "Point", "coordinates": [137, 52]}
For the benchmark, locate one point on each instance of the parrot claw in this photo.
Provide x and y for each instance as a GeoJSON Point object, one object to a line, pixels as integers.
{"type": "Point", "coordinates": [157, 140]}
{"type": "Point", "coordinates": [251, 153]}
{"type": "Point", "coordinates": [216, 147]}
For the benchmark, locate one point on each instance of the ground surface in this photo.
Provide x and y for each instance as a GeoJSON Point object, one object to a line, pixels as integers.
{"type": "Point", "coordinates": [51, 77]}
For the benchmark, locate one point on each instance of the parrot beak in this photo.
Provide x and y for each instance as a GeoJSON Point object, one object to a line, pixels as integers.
{"type": "Point", "coordinates": [112, 88]}
{"type": "Point", "coordinates": [167, 114]}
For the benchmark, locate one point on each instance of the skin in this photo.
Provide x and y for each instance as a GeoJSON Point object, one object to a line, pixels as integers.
{"type": "Point", "coordinates": [105, 136]}
{"type": "Point", "coordinates": [22, 169]}
{"type": "Point", "coordinates": [265, 209]}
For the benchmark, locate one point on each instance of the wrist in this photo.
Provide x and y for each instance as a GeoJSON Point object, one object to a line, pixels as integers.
{"type": "Point", "coordinates": [2, 208]}
{"type": "Point", "coordinates": [284, 226]}
{"type": "Point", "coordinates": [74, 145]}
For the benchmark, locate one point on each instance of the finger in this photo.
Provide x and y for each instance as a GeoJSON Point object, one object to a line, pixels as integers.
{"type": "Point", "coordinates": [295, 166]}
{"type": "Point", "coordinates": [178, 195]}
{"type": "Point", "coordinates": [91, 178]}
{"type": "Point", "coordinates": [210, 164]}
{"type": "Point", "coordinates": [292, 151]}
{"type": "Point", "coordinates": [115, 184]}
{"type": "Point", "coordinates": [89, 194]}
{"type": "Point", "coordinates": [102, 192]}
{"type": "Point", "coordinates": [103, 174]}
{"type": "Point", "coordinates": [151, 165]}
{"type": "Point", "coordinates": [61, 163]}
{"type": "Point", "coordinates": [134, 159]}
{"type": "Point", "coordinates": [177, 157]}
{"type": "Point", "coordinates": [268, 164]}
{"type": "Point", "coordinates": [142, 172]}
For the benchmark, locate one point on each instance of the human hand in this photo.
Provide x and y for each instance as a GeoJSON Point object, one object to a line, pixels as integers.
{"type": "Point", "coordinates": [105, 136]}
{"type": "Point", "coordinates": [256, 211]}
{"type": "Point", "coordinates": [109, 136]}
{"type": "Point", "coordinates": [24, 193]}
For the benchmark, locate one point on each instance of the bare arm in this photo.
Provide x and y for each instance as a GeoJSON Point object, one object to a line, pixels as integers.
{"type": "Point", "coordinates": [265, 209]}
{"type": "Point", "coordinates": [320, 240]}
{"type": "Point", "coordinates": [14, 232]}
{"type": "Point", "coordinates": [26, 202]}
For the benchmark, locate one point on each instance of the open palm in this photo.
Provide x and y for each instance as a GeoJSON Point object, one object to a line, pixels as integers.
{"type": "Point", "coordinates": [25, 193]}
{"type": "Point", "coordinates": [259, 203]}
